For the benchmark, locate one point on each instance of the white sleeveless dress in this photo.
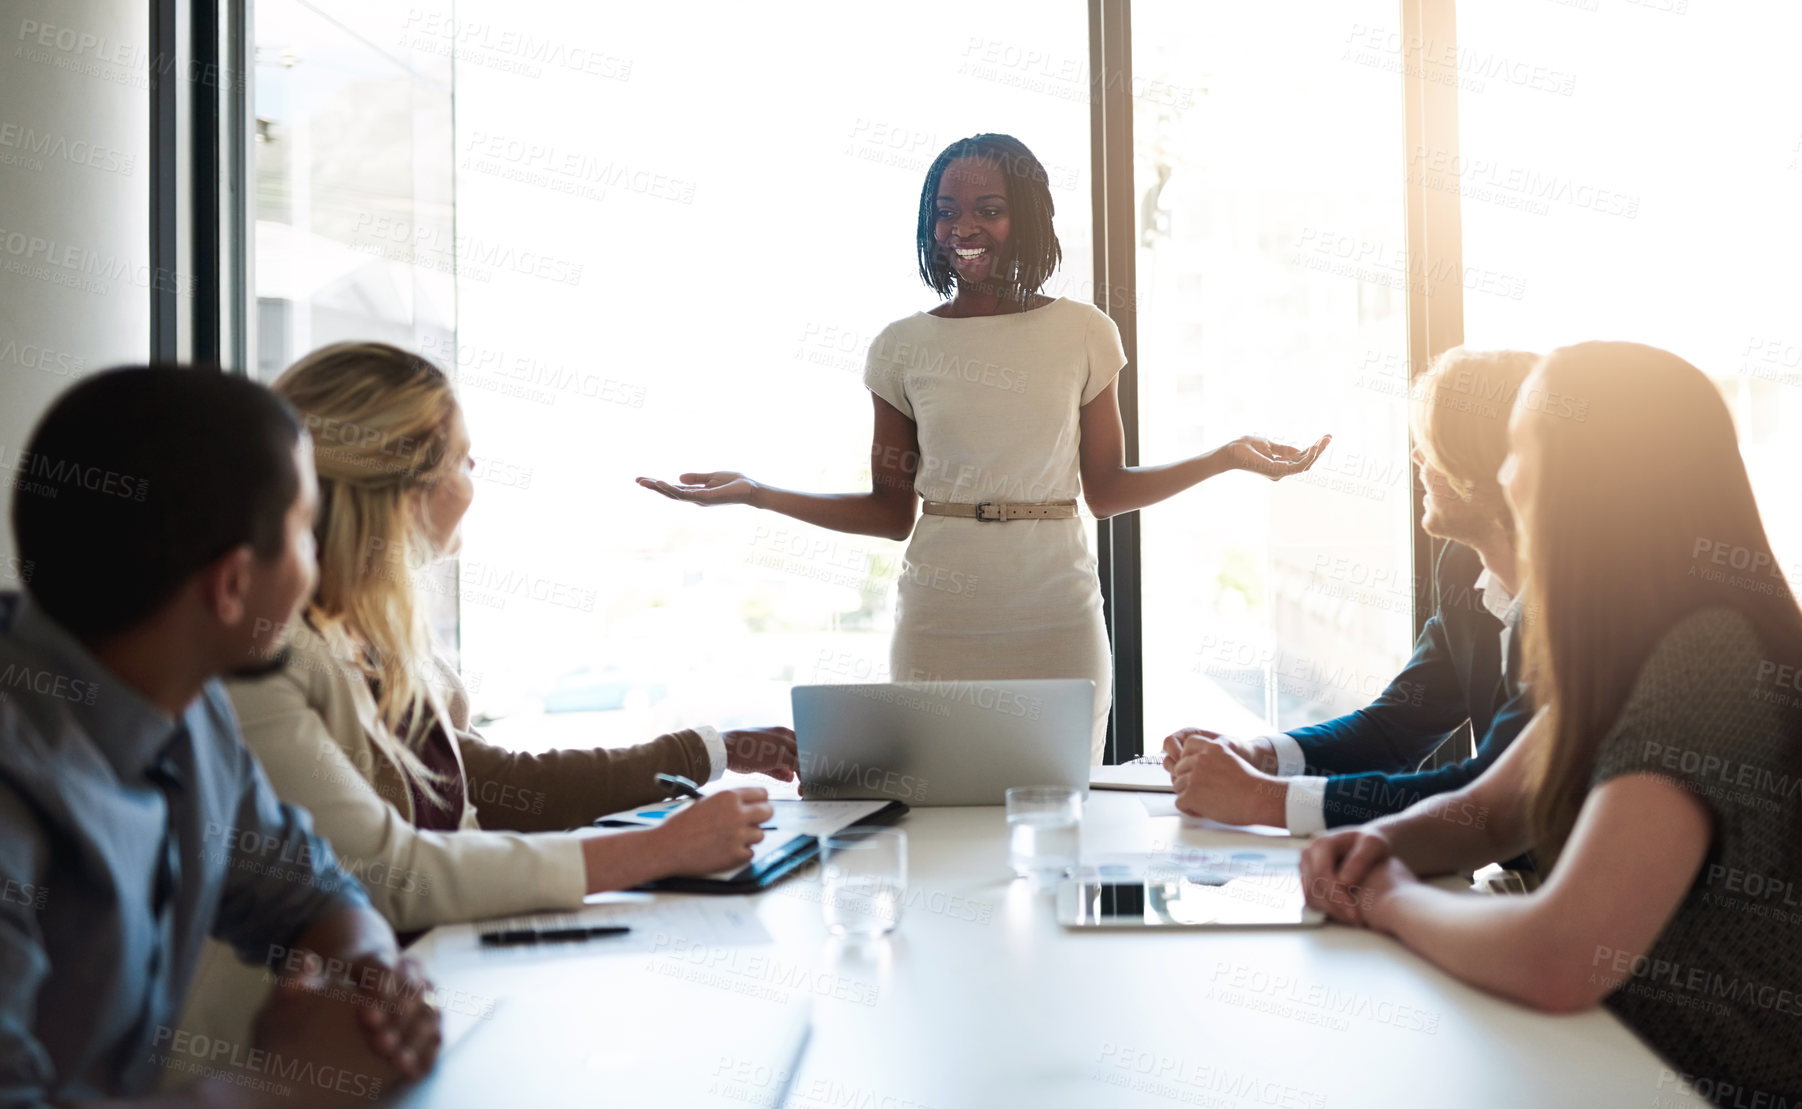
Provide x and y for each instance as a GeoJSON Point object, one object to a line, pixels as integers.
{"type": "Point", "coordinates": [995, 400]}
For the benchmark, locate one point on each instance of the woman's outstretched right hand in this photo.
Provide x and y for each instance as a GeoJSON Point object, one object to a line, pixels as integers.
{"type": "Point", "coordinates": [715, 832]}
{"type": "Point", "coordinates": [719, 487]}
{"type": "Point", "coordinates": [1276, 461]}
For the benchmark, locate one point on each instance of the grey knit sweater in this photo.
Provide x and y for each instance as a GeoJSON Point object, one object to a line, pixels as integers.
{"type": "Point", "coordinates": [1719, 996]}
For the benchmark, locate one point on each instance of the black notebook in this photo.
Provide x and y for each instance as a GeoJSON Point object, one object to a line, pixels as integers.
{"type": "Point", "coordinates": [791, 840]}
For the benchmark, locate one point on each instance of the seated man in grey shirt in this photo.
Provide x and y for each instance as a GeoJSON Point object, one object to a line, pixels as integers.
{"type": "Point", "coordinates": [164, 527]}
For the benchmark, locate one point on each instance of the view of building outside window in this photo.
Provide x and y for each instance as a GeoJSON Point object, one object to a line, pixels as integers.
{"type": "Point", "coordinates": [353, 179]}
{"type": "Point", "coordinates": [353, 199]}
{"type": "Point", "coordinates": [674, 252]}
{"type": "Point", "coordinates": [1273, 289]}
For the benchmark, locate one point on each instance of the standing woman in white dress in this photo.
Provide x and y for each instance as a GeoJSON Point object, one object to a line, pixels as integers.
{"type": "Point", "coordinates": [996, 409]}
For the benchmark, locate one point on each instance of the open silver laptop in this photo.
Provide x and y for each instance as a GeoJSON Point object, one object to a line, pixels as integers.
{"type": "Point", "coordinates": [942, 742]}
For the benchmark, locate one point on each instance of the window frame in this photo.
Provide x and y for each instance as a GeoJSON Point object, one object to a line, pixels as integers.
{"type": "Point", "coordinates": [200, 181]}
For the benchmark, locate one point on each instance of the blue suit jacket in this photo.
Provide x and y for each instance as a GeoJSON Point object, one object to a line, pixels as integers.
{"type": "Point", "coordinates": [1370, 756]}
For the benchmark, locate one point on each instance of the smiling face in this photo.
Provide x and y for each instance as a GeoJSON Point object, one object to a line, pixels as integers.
{"type": "Point", "coordinates": [1459, 425]}
{"type": "Point", "coordinates": [972, 224]}
{"type": "Point", "coordinates": [445, 497]}
{"type": "Point", "coordinates": [1438, 498]}
{"type": "Point", "coordinates": [1449, 514]}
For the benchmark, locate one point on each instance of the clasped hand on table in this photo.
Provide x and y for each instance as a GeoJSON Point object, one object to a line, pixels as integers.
{"type": "Point", "coordinates": [1348, 873]}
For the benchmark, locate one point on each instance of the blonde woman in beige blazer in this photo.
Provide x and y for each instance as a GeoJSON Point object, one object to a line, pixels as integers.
{"type": "Point", "coordinates": [363, 724]}
{"type": "Point", "coordinates": [315, 727]}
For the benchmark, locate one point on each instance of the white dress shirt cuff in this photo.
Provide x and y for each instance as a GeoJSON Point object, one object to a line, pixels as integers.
{"type": "Point", "coordinates": [1305, 810]}
{"type": "Point", "coordinates": [716, 751]}
{"type": "Point", "coordinates": [1289, 759]}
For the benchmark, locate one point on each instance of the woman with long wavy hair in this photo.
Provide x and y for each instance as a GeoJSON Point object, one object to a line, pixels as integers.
{"type": "Point", "coordinates": [1660, 785]}
{"type": "Point", "coordinates": [364, 724]}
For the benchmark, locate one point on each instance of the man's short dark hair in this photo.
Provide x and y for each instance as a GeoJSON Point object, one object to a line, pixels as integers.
{"type": "Point", "coordinates": [140, 476]}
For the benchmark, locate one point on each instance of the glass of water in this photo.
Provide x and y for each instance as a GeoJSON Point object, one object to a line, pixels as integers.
{"type": "Point", "coordinates": [863, 880]}
{"type": "Point", "coordinates": [1044, 831]}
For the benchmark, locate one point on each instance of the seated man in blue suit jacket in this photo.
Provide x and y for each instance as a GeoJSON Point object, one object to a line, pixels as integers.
{"type": "Point", "coordinates": [1466, 662]}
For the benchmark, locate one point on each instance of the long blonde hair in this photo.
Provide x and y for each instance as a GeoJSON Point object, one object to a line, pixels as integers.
{"type": "Point", "coordinates": [381, 420]}
{"type": "Point", "coordinates": [1636, 469]}
{"type": "Point", "coordinates": [1460, 420]}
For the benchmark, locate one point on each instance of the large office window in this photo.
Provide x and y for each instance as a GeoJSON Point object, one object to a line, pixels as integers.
{"type": "Point", "coordinates": [1625, 161]}
{"type": "Point", "coordinates": [674, 250]}
{"type": "Point", "coordinates": [352, 172]}
{"type": "Point", "coordinates": [1273, 284]}
{"type": "Point", "coordinates": [353, 191]}
{"type": "Point", "coordinates": [640, 250]}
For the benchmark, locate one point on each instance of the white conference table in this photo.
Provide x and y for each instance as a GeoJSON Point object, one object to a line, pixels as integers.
{"type": "Point", "coordinates": [980, 999]}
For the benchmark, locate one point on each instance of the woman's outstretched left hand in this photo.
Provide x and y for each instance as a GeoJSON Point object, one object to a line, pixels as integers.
{"type": "Point", "coordinates": [719, 487]}
{"type": "Point", "coordinates": [1274, 460]}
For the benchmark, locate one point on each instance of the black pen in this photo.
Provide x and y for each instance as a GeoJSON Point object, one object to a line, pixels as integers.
{"type": "Point", "coordinates": [516, 936]}
{"type": "Point", "coordinates": [675, 785]}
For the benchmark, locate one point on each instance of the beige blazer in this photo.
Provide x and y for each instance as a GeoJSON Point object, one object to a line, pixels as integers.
{"type": "Point", "coordinates": [313, 724]}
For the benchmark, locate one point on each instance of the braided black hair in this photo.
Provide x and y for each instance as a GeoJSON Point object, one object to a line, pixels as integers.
{"type": "Point", "coordinates": [1032, 253]}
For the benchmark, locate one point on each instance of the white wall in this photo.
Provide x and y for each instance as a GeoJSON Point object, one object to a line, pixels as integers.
{"type": "Point", "coordinates": [74, 208]}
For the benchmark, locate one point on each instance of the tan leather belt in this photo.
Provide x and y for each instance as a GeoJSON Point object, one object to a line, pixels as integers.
{"type": "Point", "coordinates": [999, 512]}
